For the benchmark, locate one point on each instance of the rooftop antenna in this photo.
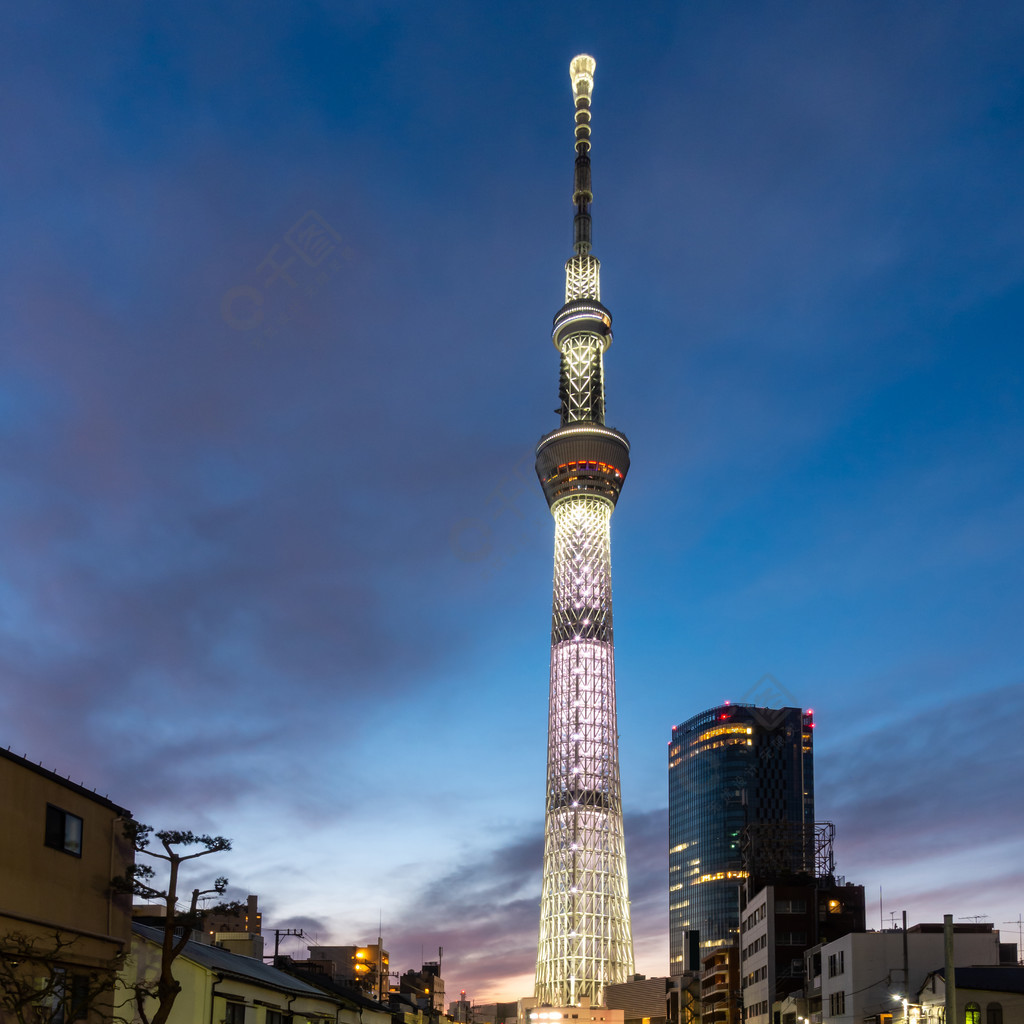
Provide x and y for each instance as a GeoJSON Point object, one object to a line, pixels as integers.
{"type": "Point", "coordinates": [972, 917]}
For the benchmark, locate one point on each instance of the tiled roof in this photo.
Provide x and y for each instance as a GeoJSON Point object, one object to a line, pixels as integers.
{"type": "Point", "coordinates": [246, 968]}
{"type": "Point", "coordinates": [990, 979]}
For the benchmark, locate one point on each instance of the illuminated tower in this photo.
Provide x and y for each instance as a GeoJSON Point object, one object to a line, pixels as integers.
{"type": "Point", "coordinates": [585, 938]}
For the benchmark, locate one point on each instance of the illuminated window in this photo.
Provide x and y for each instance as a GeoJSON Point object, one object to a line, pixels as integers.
{"type": "Point", "coordinates": [972, 1014]}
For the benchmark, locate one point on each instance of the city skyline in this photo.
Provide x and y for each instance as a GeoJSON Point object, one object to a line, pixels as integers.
{"type": "Point", "coordinates": [262, 266]}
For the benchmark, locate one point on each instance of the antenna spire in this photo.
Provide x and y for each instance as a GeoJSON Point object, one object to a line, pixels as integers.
{"type": "Point", "coordinates": [581, 71]}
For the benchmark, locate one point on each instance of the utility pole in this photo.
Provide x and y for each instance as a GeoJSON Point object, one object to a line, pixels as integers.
{"type": "Point", "coordinates": [278, 934]}
{"type": "Point", "coordinates": [947, 929]}
{"type": "Point", "coordinates": [1020, 937]}
{"type": "Point", "coordinates": [906, 963]}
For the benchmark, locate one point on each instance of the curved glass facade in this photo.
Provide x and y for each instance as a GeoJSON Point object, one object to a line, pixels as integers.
{"type": "Point", "coordinates": [729, 767]}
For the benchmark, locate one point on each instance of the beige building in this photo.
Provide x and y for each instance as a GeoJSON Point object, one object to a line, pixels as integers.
{"type": "Point", "coordinates": [368, 967]}
{"type": "Point", "coordinates": [220, 986]}
{"type": "Point", "coordinates": [582, 1014]}
{"type": "Point", "coordinates": [60, 846]}
{"type": "Point", "coordinates": [984, 995]}
{"type": "Point", "coordinates": [720, 994]}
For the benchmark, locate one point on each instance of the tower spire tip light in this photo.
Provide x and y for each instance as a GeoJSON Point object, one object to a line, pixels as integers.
{"type": "Point", "coordinates": [581, 71]}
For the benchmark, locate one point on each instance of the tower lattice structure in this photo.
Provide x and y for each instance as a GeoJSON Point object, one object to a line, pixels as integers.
{"type": "Point", "coordinates": [585, 941]}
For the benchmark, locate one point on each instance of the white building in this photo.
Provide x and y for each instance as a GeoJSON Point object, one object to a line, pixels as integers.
{"type": "Point", "coordinates": [860, 976]}
{"type": "Point", "coordinates": [584, 1013]}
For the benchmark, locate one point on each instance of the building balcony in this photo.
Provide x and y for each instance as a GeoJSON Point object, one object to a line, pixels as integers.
{"type": "Point", "coordinates": [715, 1015]}
{"type": "Point", "coordinates": [715, 992]}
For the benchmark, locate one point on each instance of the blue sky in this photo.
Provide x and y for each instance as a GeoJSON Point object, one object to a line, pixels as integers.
{"type": "Point", "coordinates": [274, 563]}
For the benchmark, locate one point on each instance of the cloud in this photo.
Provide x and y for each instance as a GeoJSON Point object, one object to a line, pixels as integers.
{"type": "Point", "coordinates": [897, 787]}
{"type": "Point", "coordinates": [485, 912]}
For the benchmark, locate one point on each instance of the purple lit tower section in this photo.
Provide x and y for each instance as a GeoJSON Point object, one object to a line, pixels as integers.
{"type": "Point", "coordinates": [585, 940]}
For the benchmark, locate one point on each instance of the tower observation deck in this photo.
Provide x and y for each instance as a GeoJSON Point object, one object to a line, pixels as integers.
{"type": "Point", "coordinates": [585, 940]}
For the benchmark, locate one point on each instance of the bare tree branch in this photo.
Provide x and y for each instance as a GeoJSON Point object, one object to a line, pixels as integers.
{"type": "Point", "coordinates": [40, 982]}
{"type": "Point", "coordinates": [137, 881]}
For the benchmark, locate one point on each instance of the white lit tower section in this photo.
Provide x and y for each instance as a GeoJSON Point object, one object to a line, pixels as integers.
{"type": "Point", "coordinates": [585, 941]}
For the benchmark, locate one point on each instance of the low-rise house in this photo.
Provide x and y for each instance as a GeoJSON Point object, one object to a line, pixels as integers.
{"type": "Point", "coordinates": [984, 995]}
{"type": "Point", "coordinates": [219, 987]}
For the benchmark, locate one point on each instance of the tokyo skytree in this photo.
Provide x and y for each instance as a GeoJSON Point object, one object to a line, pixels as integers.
{"type": "Point", "coordinates": [586, 942]}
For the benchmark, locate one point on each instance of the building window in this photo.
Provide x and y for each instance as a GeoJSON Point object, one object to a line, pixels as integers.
{"type": "Point", "coordinates": [994, 1013]}
{"type": "Point", "coordinates": [836, 964]}
{"type": "Point", "coordinates": [234, 1013]}
{"type": "Point", "coordinates": [791, 907]}
{"type": "Point", "coordinates": [972, 1014]}
{"type": "Point", "coordinates": [63, 831]}
{"type": "Point", "coordinates": [277, 1017]}
{"type": "Point", "coordinates": [78, 1008]}
{"type": "Point", "coordinates": [837, 1004]}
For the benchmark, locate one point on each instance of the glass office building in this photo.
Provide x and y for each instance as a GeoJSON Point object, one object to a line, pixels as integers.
{"type": "Point", "coordinates": [729, 767]}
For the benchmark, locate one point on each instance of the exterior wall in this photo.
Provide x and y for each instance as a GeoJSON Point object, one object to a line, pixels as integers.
{"type": "Point", "coordinates": [484, 1013]}
{"type": "Point", "coordinates": [933, 1003]}
{"type": "Point", "coordinates": [757, 957]}
{"type": "Point", "coordinates": [205, 995]}
{"type": "Point", "coordinates": [778, 925]}
{"type": "Point", "coordinates": [639, 1000]}
{"type": "Point", "coordinates": [720, 986]}
{"type": "Point", "coordinates": [248, 920]}
{"type": "Point", "coordinates": [729, 766]}
{"type": "Point", "coordinates": [356, 963]}
{"type": "Point", "coordinates": [425, 987]}
{"type": "Point", "coordinates": [48, 890]}
{"type": "Point", "coordinates": [872, 968]}
{"type": "Point", "coordinates": [582, 1014]}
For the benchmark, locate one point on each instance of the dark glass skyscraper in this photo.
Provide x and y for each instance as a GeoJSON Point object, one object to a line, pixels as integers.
{"type": "Point", "coordinates": [729, 767]}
